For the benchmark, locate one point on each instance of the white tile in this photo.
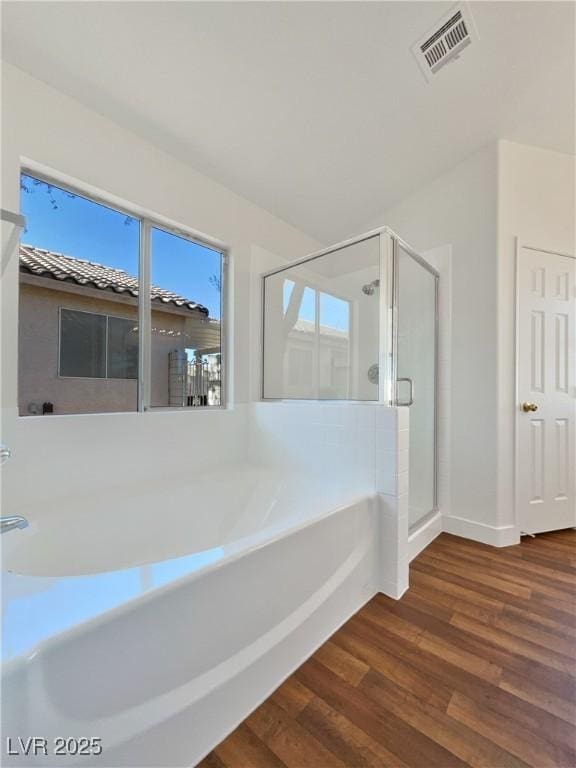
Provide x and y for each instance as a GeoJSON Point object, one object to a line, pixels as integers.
{"type": "Point", "coordinates": [386, 439]}
{"type": "Point", "coordinates": [387, 504]}
{"type": "Point", "coordinates": [403, 521]}
{"type": "Point", "coordinates": [403, 418]}
{"type": "Point", "coordinates": [389, 527]}
{"type": "Point", "coordinates": [314, 438]}
{"type": "Point", "coordinates": [402, 507]}
{"type": "Point", "coordinates": [386, 418]}
{"type": "Point", "coordinates": [402, 460]}
{"type": "Point", "coordinates": [444, 451]}
{"type": "Point", "coordinates": [314, 414]}
{"type": "Point", "coordinates": [334, 434]}
{"type": "Point", "coordinates": [386, 472]}
{"type": "Point", "coordinates": [334, 413]}
{"type": "Point", "coordinates": [366, 416]}
{"type": "Point", "coordinates": [444, 424]}
{"type": "Point", "coordinates": [350, 417]}
{"type": "Point", "coordinates": [403, 482]}
{"type": "Point", "coordinates": [443, 469]}
{"type": "Point", "coordinates": [403, 439]}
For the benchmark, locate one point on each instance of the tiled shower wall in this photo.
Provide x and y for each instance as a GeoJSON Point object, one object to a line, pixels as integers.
{"type": "Point", "coordinates": [392, 484]}
{"type": "Point", "coordinates": [348, 450]}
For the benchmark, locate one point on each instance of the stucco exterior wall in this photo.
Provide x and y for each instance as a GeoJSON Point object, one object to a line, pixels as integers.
{"type": "Point", "coordinates": [38, 378]}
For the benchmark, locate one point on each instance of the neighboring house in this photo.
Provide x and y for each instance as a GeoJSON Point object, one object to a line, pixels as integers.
{"type": "Point", "coordinates": [78, 338]}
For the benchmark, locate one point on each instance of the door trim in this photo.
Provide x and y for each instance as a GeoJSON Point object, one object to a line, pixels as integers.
{"type": "Point", "coordinates": [520, 244]}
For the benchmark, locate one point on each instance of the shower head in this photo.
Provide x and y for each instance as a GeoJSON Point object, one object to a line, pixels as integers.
{"type": "Point", "coordinates": [369, 288]}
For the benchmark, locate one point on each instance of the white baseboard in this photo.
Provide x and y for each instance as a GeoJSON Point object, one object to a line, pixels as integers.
{"type": "Point", "coordinates": [424, 535]}
{"type": "Point", "coordinates": [496, 536]}
{"type": "Point", "coordinates": [394, 589]}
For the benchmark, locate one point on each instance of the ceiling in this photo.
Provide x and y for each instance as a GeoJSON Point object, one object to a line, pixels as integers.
{"type": "Point", "coordinates": [316, 111]}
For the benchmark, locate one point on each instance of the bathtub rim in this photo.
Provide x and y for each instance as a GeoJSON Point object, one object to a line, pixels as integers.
{"type": "Point", "coordinates": [153, 592]}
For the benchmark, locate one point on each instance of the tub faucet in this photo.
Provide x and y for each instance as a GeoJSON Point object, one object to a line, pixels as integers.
{"type": "Point", "coordinates": [11, 522]}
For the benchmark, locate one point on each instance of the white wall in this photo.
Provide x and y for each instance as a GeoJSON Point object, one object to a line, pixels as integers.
{"type": "Point", "coordinates": [537, 204]}
{"type": "Point", "coordinates": [477, 209]}
{"type": "Point", "coordinates": [459, 210]}
{"type": "Point", "coordinates": [58, 455]}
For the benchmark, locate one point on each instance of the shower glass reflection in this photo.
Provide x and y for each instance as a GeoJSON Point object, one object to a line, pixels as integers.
{"type": "Point", "coordinates": [322, 325]}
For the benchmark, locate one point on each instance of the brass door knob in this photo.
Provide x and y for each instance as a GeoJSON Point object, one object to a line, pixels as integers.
{"type": "Point", "coordinates": [529, 407]}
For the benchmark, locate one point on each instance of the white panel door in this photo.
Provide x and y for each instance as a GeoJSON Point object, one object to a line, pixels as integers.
{"type": "Point", "coordinates": [546, 387]}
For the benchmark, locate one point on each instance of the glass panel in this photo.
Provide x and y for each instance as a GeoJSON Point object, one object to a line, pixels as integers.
{"type": "Point", "coordinates": [186, 280]}
{"type": "Point", "coordinates": [334, 348]}
{"type": "Point", "coordinates": [82, 344]}
{"type": "Point", "coordinates": [321, 325]}
{"type": "Point", "coordinates": [122, 348]}
{"type": "Point", "coordinates": [416, 375]}
{"type": "Point", "coordinates": [78, 267]}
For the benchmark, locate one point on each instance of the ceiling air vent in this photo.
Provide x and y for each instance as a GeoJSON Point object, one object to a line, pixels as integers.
{"type": "Point", "coordinates": [445, 41]}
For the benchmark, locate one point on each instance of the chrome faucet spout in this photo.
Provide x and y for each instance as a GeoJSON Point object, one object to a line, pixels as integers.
{"type": "Point", "coordinates": [11, 522]}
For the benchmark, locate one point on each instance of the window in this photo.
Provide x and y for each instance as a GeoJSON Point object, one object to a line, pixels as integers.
{"type": "Point", "coordinates": [189, 336]}
{"type": "Point", "coordinates": [82, 344]}
{"type": "Point", "coordinates": [121, 348]}
{"type": "Point", "coordinates": [97, 346]}
{"type": "Point", "coordinates": [87, 314]}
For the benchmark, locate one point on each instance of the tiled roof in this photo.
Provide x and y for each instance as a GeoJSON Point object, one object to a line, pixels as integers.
{"type": "Point", "coordinates": [57, 266]}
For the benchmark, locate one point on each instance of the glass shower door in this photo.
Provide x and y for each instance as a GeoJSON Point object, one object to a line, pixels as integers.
{"type": "Point", "coordinates": [415, 342]}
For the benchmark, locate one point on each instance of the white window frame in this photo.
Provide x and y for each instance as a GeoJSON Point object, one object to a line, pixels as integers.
{"type": "Point", "coordinates": [148, 221]}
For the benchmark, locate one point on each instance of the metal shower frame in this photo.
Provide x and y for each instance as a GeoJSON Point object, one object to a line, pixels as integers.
{"type": "Point", "coordinates": [389, 245]}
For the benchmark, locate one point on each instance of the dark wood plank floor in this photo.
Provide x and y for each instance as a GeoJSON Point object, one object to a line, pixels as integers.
{"type": "Point", "coordinates": [475, 666]}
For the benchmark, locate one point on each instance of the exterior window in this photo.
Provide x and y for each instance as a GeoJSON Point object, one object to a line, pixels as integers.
{"type": "Point", "coordinates": [97, 347]}
{"type": "Point", "coordinates": [122, 349]}
{"type": "Point", "coordinates": [188, 336]}
{"type": "Point", "coordinates": [82, 344]}
{"type": "Point", "coordinates": [86, 313]}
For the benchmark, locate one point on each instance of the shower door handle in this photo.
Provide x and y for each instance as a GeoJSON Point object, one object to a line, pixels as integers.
{"type": "Point", "coordinates": [411, 396]}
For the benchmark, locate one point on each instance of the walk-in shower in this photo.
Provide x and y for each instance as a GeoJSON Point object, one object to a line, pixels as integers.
{"type": "Point", "coordinates": [358, 321]}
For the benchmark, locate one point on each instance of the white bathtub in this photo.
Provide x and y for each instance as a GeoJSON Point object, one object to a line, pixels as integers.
{"type": "Point", "coordinates": [157, 621]}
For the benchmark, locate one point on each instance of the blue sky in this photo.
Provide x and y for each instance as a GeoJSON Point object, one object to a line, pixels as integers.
{"type": "Point", "coordinates": [78, 227]}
